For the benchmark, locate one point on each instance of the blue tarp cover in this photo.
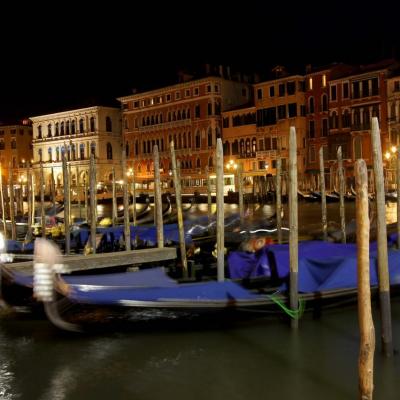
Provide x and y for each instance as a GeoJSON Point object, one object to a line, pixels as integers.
{"type": "Point", "coordinates": [197, 292]}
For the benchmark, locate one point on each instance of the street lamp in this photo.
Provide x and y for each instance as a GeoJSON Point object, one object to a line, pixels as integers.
{"type": "Point", "coordinates": [231, 165]}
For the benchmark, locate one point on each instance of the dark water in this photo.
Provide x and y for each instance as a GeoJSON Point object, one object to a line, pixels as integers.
{"type": "Point", "coordinates": [248, 359]}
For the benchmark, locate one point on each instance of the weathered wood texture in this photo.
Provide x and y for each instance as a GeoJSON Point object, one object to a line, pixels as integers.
{"type": "Point", "coordinates": [366, 324]}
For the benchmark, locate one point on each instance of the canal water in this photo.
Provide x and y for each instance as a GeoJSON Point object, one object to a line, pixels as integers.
{"type": "Point", "coordinates": [248, 359]}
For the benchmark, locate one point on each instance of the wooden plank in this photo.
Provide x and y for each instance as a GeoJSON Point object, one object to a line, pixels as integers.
{"type": "Point", "coordinates": [220, 211]}
{"type": "Point", "coordinates": [105, 260]}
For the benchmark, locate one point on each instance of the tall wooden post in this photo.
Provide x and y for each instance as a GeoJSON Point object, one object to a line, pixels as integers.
{"type": "Point", "coordinates": [220, 211]}
{"type": "Point", "coordinates": [78, 191]}
{"type": "Point", "coordinates": [12, 205]}
{"type": "Point", "coordinates": [323, 194]}
{"type": "Point", "coordinates": [157, 198]}
{"type": "Point", "coordinates": [383, 273]}
{"type": "Point", "coordinates": [293, 225]}
{"type": "Point", "coordinates": [398, 195]}
{"type": "Point", "coordinates": [134, 195]}
{"type": "Point", "coordinates": [85, 196]}
{"type": "Point", "coordinates": [3, 210]}
{"type": "Point", "coordinates": [207, 171]}
{"type": "Point", "coordinates": [33, 195]}
{"type": "Point", "coordinates": [53, 187]}
{"type": "Point", "coordinates": [341, 194]}
{"type": "Point", "coordinates": [114, 199]}
{"type": "Point", "coordinates": [127, 229]}
{"type": "Point", "coordinates": [93, 195]}
{"type": "Point", "coordinates": [366, 324]}
{"type": "Point", "coordinates": [240, 188]}
{"type": "Point", "coordinates": [67, 204]}
{"type": "Point", "coordinates": [29, 189]}
{"type": "Point", "coordinates": [279, 198]}
{"type": "Point", "coordinates": [178, 199]}
{"type": "Point", "coordinates": [42, 214]}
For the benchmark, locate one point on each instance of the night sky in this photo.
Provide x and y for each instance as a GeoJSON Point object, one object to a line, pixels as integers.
{"type": "Point", "coordinates": [76, 56]}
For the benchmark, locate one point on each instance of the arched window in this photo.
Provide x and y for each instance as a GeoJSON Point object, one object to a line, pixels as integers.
{"type": "Point", "coordinates": [217, 132]}
{"type": "Point", "coordinates": [189, 140]}
{"type": "Point", "coordinates": [242, 148]}
{"type": "Point", "coordinates": [227, 149]}
{"type": "Point", "coordinates": [62, 129]}
{"type": "Point", "coordinates": [93, 148]}
{"type": "Point", "coordinates": [57, 129]}
{"type": "Point", "coordinates": [68, 128]}
{"type": "Point", "coordinates": [82, 151]}
{"type": "Point", "coordinates": [57, 154]}
{"type": "Point", "coordinates": [357, 147]}
{"type": "Point", "coordinates": [39, 131]}
{"type": "Point", "coordinates": [324, 102]}
{"type": "Point", "coordinates": [81, 128]}
{"type": "Point", "coordinates": [334, 120]}
{"type": "Point", "coordinates": [73, 129]}
{"type": "Point", "coordinates": [109, 151]}
{"type": "Point", "coordinates": [209, 137]}
{"type": "Point", "coordinates": [346, 119]}
{"type": "Point", "coordinates": [357, 118]}
{"type": "Point", "coordinates": [311, 107]}
{"type": "Point", "coordinates": [50, 154]}
{"type": "Point", "coordinates": [73, 152]}
{"type": "Point", "coordinates": [92, 124]}
{"type": "Point", "coordinates": [248, 152]}
{"type": "Point", "coordinates": [197, 139]}
{"type": "Point", "coordinates": [235, 148]}
{"type": "Point", "coordinates": [136, 147]}
{"type": "Point", "coordinates": [108, 124]}
{"type": "Point", "coordinates": [184, 140]}
{"type": "Point", "coordinates": [40, 155]}
{"type": "Point", "coordinates": [254, 146]}
{"type": "Point", "coordinates": [366, 119]}
{"type": "Point", "coordinates": [198, 164]}
{"type": "Point", "coordinates": [49, 133]}
{"type": "Point", "coordinates": [210, 161]}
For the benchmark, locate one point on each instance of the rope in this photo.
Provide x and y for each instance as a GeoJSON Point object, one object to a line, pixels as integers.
{"type": "Point", "coordinates": [295, 314]}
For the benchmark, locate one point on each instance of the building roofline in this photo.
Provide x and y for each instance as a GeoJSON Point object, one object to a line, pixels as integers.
{"type": "Point", "coordinates": [67, 112]}
{"type": "Point", "coordinates": [180, 85]}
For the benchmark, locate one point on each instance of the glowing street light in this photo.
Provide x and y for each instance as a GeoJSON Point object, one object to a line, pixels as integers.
{"type": "Point", "coordinates": [231, 165]}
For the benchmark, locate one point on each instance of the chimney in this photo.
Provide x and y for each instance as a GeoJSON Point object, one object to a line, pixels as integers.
{"type": "Point", "coordinates": [308, 69]}
{"type": "Point", "coordinates": [208, 69]}
{"type": "Point", "coordinates": [221, 71]}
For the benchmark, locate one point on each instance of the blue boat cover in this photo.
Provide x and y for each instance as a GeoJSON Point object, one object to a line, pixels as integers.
{"type": "Point", "coordinates": [243, 265]}
{"type": "Point", "coordinates": [154, 277]}
{"type": "Point", "coordinates": [322, 266]}
{"type": "Point", "coordinates": [193, 292]}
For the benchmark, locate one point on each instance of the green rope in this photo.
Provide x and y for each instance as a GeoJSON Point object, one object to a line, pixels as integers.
{"type": "Point", "coordinates": [295, 314]}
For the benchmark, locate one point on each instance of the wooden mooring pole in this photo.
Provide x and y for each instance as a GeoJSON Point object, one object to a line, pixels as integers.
{"type": "Point", "coordinates": [341, 194]}
{"type": "Point", "coordinates": [293, 225]}
{"type": "Point", "coordinates": [12, 205]}
{"type": "Point", "coordinates": [366, 324]}
{"type": "Point", "coordinates": [240, 188]}
{"type": "Point", "coordinates": [158, 198]}
{"type": "Point", "coordinates": [279, 198]}
{"type": "Point", "coordinates": [383, 272]}
{"type": "Point", "coordinates": [93, 193]}
{"type": "Point", "coordinates": [134, 195]}
{"type": "Point", "coordinates": [114, 199]}
{"type": "Point", "coordinates": [127, 229]}
{"type": "Point", "coordinates": [398, 194]}
{"type": "Point", "coordinates": [42, 213]}
{"type": "Point", "coordinates": [3, 210]}
{"type": "Point", "coordinates": [209, 202]}
{"type": "Point", "coordinates": [220, 211]}
{"type": "Point", "coordinates": [323, 194]}
{"type": "Point", "coordinates": [178, 201]}
{"type": "Point", "coordinates": [67, 204]}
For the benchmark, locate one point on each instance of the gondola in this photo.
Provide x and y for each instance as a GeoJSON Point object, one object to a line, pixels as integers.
{"type": "Point", "coordinates": [327, 277]}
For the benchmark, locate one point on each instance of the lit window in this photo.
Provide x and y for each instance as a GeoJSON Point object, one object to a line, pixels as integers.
{"type": "Point", "coordinates": [323, 80]}
{"type": "Point", "coordinates": [310, 83]}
